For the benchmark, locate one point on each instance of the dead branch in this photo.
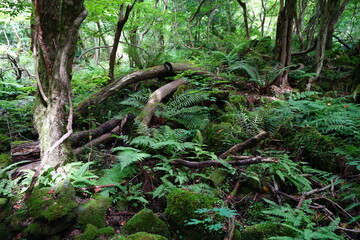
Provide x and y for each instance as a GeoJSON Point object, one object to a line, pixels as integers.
{"type": "Point", "coordinates": [214, 163]}
{"type": "Point", "coordinates": [155, 98]}
{"type": "Point", "coordinates": [306, 194]}
{"type": "Point", "coordinates": [250, 143]}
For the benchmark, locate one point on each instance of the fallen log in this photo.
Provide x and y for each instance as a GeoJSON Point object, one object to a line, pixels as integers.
{"type": "Point", "coordinates": [102, 134]}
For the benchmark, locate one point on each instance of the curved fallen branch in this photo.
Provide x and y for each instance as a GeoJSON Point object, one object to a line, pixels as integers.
{"type": "Point", "coordinates": [213, 163]}
{"type": "Point", "coordinates": [155, 98]}
{"type": "Point", "coordinates": [137, 76]}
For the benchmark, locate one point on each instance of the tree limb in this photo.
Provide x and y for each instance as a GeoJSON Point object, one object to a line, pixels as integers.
{"type": "Point", "coordinates": [155, 98]}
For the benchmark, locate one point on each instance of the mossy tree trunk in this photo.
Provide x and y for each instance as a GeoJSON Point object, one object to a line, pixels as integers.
{"type": "Point", "coordinates": [55, 28]}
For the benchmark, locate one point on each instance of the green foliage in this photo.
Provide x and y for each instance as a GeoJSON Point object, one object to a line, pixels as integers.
{"type": "Point", "coordinates": [10, 187]}
{"type": "Point", "coordinates": [300, 221]}
{"type": "Point", "coordinates": [181, 207]}
{"type": "Point", "coordinates": [129, 195]}
{"type": "Point", "coordinates": [215, 217]}
{"type": "Point", "coordinates": [289, 173]}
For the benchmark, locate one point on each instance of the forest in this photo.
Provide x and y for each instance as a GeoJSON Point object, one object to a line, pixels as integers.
{"type": "Point", "coordinates": [179, 119]}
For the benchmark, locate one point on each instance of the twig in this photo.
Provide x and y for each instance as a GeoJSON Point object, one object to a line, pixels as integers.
{"type": "Point", "coordinates": [306, 194]}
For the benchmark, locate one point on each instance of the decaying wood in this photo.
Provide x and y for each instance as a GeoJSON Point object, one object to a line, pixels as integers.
{"type": "Point", "coordinates": [155, 98]}
{"type": "Point", "coordinates": [79, 140]}
{"type": "Point", "coordinates": [250, 143]}
{"type": "Point", "coordinates": [213, 163]}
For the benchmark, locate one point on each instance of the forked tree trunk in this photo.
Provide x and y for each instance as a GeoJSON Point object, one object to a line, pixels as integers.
{"type": "Point", "coordinates": [55, 29]}
{"type": "Point", "coordinates": [283, 41]}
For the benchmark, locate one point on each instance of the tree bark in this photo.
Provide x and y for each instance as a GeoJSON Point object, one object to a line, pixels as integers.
{"type": "Point", "coordinates": [243, 5]}
{"type": "Point", "coordinates": [283, 41]}
{"type": "Point", "coordinates": [56, 28]}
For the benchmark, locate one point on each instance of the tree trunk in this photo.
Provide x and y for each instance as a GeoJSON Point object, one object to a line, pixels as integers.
{"type": "Point", "coordinates": [55, 28]}
{"type": "Point", "coordinates": [243, 5]}
{"type": "Point", "coordinates": [330, 14]}
{"type": "Point", "coordinates": [123, 17]}
{"type": "Point", "coordinates": [283, 41]}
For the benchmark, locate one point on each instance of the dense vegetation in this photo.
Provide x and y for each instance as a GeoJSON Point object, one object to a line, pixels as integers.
{"type": "Point", "coordinates": [179, 119]}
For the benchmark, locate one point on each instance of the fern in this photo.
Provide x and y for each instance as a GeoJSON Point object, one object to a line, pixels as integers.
{"type": "Point", "coordinates": [300, 221]}
{"type": "Point", "coordinates": [129, 155]}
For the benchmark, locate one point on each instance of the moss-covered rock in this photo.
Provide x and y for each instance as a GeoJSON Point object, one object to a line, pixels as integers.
{"type": "Point", "coordinates": [94, 211]}
{"type": "Point", "coordinates": [5, 160]}
{"type": "Point", "coordinates": [106, 231]}
{"type": "Point", "coordinates": [15, 222]}
{"type": "Point", "coordinates": [264, 231]}
{"type": "Point", "coordinates": [5, 143]}
{"type": "Point", "coordinates": [50, 204]}
{"type": "Point", "coordinates": [181, 207]}
{"type": "Point", "coordinates": [146, 221]}
{"type": "Point", "coordinates": [89, 233]}
{"type": "Point", "coordinates": [310, 146]}
{"type": "Point", "coordinates": [142, 236]}
{"type": "Point", "coordinates": [33, 231]}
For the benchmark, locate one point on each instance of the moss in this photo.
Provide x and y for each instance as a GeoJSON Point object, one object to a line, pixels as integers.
{"type": "Point", "coordinates": [3, 202]}
{"type": "Point", "coordinates": [316, 149]}
{"type": "Point", "coordinates": [89, 233]}
{"type": "Point", "coordinates": [238, 101]}
{"type": "Point", "coordinates": [146, 221]}
{"type": "Point", "coordinates": [5, 160]}
{"type": "Point", "coordinates": [107, 231]}
{"type": "Point", "coordinates": [181, 206]}
{"type": "Point", "coordinates": [51, 204]}
{"type": "Point", "coordinates": [218, 176]}
{"type": "Point", "coordinates": [5, 211]}
{"type": "Point", "coordinates": [145, 236]}
{"type": "Point", "coordinates": [34, 231]}
{"type": "Point", "coordinates": [4, 143]}
{"type": "Point", "coordinates": [264, 231]}
{"type": "Point", "coordinates": [94, 211]}
{"type": "Point", "coordinates": [220, 137]}
{"type": "Point", "coordinates": [15, 221]}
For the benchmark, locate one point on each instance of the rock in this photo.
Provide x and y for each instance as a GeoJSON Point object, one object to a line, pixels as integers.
{"type": "Point", "coordinates": [90, 233]}
{"type": "Point", "coordinates": [140, 236]}
{"type": "Point", "coordinates": [50, 204]}
{"type": "Point", "coordinates": [146, 221]}
{"type": "Point", "coordinates": [94, 211]}
{"type": "Point", "coordinates": [181, 207]}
